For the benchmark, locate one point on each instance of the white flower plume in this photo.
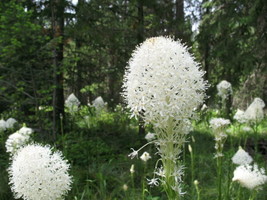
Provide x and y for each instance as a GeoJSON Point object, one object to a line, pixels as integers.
{"type": "Point", "coordinates": [163, 81]}
{"type": "Point", "coordinates": [239, 116]}
{"type": "Point", "coordinates": [99, 104]}
{"type": "Point", "coordinates": [15, 141]}
{"type": "Point", "coordinates": [242, 157]}
{"type": "Point", "coordinates": [25, 131]}
{"type": "Point", "coordinates": [219, 123]}
{"type": "Point", "coordinates": [250, 176]}
{"type": "Point", "coordinates": [10, 122]}
{"type": "Point", "coordinates": [224, 89]}
{"type": "Point", "coordinates": [254, 112]}
{"type": "Point", "coordinates": [73, 103]}
{"type": "Point", "coordinates": [163, 84]}
{"type": "Point", "coordinates": [36, 173]}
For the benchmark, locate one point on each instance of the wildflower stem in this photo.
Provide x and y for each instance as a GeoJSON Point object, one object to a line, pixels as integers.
{"type": "Point", "coordinates": [169, 162]}
{"type": "Point", "coordinates": [192, 167]}
{"type": "Point", "coordinates": [198, 191]}
{"type": "Point", "coordinates": [144, 182]}
{"type": "Point", "coordinates": [219, 168]}
{"type": "Point", "coordinates": [239, 193]}
{"type": "Point", "coordinates": [253, 195]}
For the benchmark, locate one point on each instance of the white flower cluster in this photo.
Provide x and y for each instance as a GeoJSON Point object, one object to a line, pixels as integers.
{"type": "Point", "coordinates": [219, 123]}
{"type": "Point", "coordinates": [239, 116]}
{"type": "Point", "coordinates": [254, 112]}
{"type": "Point", "coordinates": [163, 81]}
{"type": "Point", "coordinates": [73, 103]}
{"type": "Point", "coordinates": [224, 89]}
{"type": "Point", "coordinates": [150, 136]}
{"type": "Point", "coordinates": [18, 139]}
{"type": "Point", "coordinates": [36, 173]}
{"type": "Point", "coordinates": [8, 124]}
{"type": "Point", "coordinates": [99, 104]}
{"type": "Point", "coordinates": [241, 157]}
{"type": "Point", "coordinates": [250, 176]}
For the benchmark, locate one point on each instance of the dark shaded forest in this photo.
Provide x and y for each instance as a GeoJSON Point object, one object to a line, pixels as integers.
{"type": "Point", "coordinates": [50, 49]}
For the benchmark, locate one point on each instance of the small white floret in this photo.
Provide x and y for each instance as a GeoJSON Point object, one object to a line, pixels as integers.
{"type": "Point", "coordinates": [150, 136]}
{"type": "Point", "coordinates": [145, 156]}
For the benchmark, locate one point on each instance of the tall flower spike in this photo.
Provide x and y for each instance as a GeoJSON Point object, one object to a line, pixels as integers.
{"type": "Point", "coordinates": [36, 173]}
{"type": "Point", "coordinates": [254, 112]}
{"type": "Point", "coordinates": [224, 89]}
{"type": "Point", "coordinates": [163, 84]}
{"type": "Point", "coordinates": [73, 103]}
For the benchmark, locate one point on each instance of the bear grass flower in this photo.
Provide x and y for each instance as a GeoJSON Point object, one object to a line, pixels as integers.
{"type": "Point", "coordinates": [163, 81]}
{"type": "Point", "coordinates": [99, 104]}
{"type": "Point", "coordinates": [72, 103]}
{"type": "Point", "coordinates": [218, 126]}
{"type": "Point", "coordinates": [37, 173]}
{"type": "Point", "coordinates": [219, 123]}
{"type": "Point", "coordinates": [239, 116]}
{"type": "Point", "coordinates": [10, 122]}
{"type": "Point", "coordinates": [254, 112]}
{"type": "Point", "coordinates": [164, 84]}
{"type": "Point", "coordinates": [224, 89]}
{"type": "Point", "coordinates": [18, 139]}
{"type": "Point", "coordinates": [15, 141]}
{"type": "Point", "coordinates": [242, 157]}
{"type": "Point", "coordinates": [25, 131]}
{"type": "Point", "coordinates": [250, 176]}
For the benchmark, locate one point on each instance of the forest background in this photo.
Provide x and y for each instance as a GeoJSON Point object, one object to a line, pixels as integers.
{"type": "Point", "coordinates": [52, 48]}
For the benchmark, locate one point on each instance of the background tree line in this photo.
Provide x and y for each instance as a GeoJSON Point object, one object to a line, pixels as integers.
{"type": "Point", "coordinates": [51, 48]}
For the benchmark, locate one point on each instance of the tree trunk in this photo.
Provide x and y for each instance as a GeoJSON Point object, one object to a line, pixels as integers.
{"type": "Point", "coordinates": [79, 81]}
{"type": "Point", "coordinates": [179, 28]}
{"type": "Point", "coordinates": [140, 39]}
{"type": "Point", "coordinates": [140, 29]}
{"type": "Point", "coordinates": [58, 93]}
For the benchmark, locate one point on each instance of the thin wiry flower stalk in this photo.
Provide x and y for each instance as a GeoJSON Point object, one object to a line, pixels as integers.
{"type": "Point", "coordinates": [218, 126]}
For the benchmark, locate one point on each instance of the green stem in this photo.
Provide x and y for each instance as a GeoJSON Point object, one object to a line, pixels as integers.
{"type": "Point", "coordinates": [192, 168]}
{"type": "Point", "coordinates": [144, 183]}
{"type": "Point", "coordinates": [169, 164]}
{"type": "Point", "coordinates": [253, 195]}
{"type": "Point", "coordinates": [219, 166]}
{"type": "Point", "coordinates": [239, 193]}
{"type": "Point", "coordinates": [198, 191]}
